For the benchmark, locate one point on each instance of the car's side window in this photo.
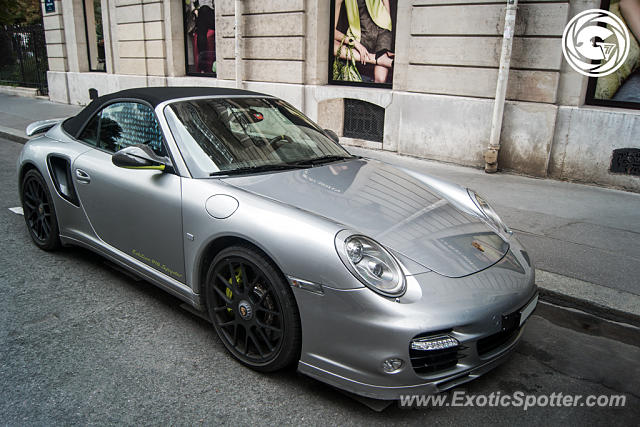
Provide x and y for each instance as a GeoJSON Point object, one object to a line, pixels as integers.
{"type": "Point", "coordinates": [90, 132]}
{"type": "Point", "coordinates": [124, 124]}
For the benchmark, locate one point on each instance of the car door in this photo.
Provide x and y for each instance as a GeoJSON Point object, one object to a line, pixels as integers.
{"type": "Point", "coordinates": [136, 211]}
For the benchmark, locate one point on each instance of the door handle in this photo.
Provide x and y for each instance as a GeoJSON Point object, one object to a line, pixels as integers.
{"type": "Point", "coordinates": [82, 176]}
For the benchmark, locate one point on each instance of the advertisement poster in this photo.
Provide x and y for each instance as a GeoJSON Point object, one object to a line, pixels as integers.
{"type": "Point", "coordinates": [200, 37]}
{"type": "Point", "coordinates": [362, 46]}
{"type": "Point", "coordinates": [622, 87]}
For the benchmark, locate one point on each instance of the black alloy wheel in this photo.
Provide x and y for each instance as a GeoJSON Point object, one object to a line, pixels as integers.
{"type": "Point", "coordinates": [253, 309]}
{"type": "Point", "coordinates": [39, 211]}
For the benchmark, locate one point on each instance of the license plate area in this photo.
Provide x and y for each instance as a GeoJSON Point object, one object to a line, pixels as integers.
{"type": "Point", "coordinates": [528, 309]}
{"type": "Point", "coordinates": [510, 322]}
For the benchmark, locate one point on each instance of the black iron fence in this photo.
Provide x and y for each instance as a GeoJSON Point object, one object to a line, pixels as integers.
{"type": "Point", "coordinates": [23, 56]}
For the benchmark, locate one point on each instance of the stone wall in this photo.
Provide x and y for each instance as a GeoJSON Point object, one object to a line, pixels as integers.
{"type": "Point", "coordinates": [54, 35]}
{"type": "Point", "coordinates": [53, 23]}
{"type": "Point", "coordinates": [584, 142]}
{"type": "Point", "coordinates": [453, 48]}
{"type": "Point", "coordinates": [447, 57]}
{"type": "Point", "coordinates": [139, 29]}
{"type": "Point", "coordinates": [273, 40]}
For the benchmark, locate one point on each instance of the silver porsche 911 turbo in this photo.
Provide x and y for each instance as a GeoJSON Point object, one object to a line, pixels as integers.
{"type": "Point", "coordinates": [378, 280]}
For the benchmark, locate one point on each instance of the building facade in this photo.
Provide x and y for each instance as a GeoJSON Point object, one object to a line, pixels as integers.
{"type": "Point", "coordinates": [426, 91]}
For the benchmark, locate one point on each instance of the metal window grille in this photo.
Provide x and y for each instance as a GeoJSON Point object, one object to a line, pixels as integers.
{"type": "Point", "coordinates": [23, 56]}
{"type": "Point", "coordinates": [363, 120]}
{"type": "Point", "coordinates": [626, 161]}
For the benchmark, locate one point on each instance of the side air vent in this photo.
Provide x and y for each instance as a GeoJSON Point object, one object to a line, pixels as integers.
{"type": "Point", "coordinates": [60, 171]}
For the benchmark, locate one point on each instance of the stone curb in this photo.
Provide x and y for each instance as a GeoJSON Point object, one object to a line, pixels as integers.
{"type": "Point", "coordinates": [13, 135]}
{"type": "Point", "coordinates": [601, 301]}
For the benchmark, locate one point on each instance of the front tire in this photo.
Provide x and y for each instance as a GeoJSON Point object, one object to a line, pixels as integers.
{"type": "Point", "coordinates": [253, 309]}
{"type": "Point", "coordinates": [39, 211]}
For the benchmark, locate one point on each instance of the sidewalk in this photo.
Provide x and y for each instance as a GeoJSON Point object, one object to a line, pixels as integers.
{"type": "Point", "coordinates": [17, 112]}
{"type": "Point", "coordinates": [584, 240]}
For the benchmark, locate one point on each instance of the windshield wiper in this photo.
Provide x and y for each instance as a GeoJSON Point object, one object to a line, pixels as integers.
{"type": "Point", "coordinates": [321, 160]}
{"type": "Point", "coordinates": [300, 164]}
{"type": "Point", "coordinates": [255, 169]}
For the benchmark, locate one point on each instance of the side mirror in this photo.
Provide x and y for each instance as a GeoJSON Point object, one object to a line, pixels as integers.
{"type": "Point", "coordinates": [139, 157]}
{"type": "Point", "coordinates": [331, 134]}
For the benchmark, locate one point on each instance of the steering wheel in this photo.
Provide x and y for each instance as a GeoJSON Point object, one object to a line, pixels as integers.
{"type": "Point", "coordinates": [278, 138]}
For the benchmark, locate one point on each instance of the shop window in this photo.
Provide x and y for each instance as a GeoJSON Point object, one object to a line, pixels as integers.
{"type": "Point", "coordinates": [200, 37]}
{"type": "Point", "coordinates": [95, 37]}
{"type": "Point", "coordinates": [363, 120]}
{"type": "Point", "coordinates": [620, 88]}
{"type": "Point", "coordinates": [362, 42]}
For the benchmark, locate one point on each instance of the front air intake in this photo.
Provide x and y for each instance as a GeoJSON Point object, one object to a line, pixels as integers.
{"type": "Point", "coordinates": [497, 340]}
{"type": "Point", "coordinates": [430, 354]}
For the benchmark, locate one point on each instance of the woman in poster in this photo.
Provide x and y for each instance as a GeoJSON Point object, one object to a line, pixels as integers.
{"type": "Point", "coordinates": [201, 26]}
{"type": "Point", "coordinates": [368, 39]}
{"type": "Point", "coordinates": [630, 89]}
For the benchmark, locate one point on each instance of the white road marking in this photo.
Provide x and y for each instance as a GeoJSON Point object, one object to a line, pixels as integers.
{"type": "Point", "coordinates": [17, 210]}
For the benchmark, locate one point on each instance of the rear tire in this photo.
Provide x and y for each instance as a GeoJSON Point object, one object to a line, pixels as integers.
{"type": "Point", "coordinates": [253, 309]}
{"type": "Point", "coordinates": [39, 211]}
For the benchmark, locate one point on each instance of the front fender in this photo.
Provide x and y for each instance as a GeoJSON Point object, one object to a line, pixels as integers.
{"type": "Point", "coordinates": [300, 243]}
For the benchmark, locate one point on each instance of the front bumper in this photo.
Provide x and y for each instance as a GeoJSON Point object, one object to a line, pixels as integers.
{"type": "Point", "coordinates": [394, 392]}
{"type": "Point", "coordinates": [347, 334]}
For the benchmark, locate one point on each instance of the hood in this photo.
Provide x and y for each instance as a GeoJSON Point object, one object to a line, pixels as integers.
{"type": "Point", "coordinates": [396, 209]}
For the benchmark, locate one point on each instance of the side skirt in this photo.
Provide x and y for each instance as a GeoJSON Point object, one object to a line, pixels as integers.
{"type": "Point", "coordinates": [131, 264]}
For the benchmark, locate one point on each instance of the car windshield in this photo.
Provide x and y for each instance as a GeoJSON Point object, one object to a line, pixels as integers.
{"type": "Point", "coordinates": [227, 136]}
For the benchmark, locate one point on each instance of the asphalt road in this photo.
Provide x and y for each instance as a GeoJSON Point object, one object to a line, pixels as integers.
{"type": "Point", "coordinates": [81, 343]}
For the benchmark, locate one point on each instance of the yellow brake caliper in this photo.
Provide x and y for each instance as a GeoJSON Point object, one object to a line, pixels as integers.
{"type": "Point", "coordinates": [228, 291]}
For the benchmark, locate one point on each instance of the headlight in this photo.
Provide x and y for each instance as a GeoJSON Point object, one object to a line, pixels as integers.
{"type": "Point", "coordinates": [491, 216]}
{"type": "Point", "coordinates": [370, 263]}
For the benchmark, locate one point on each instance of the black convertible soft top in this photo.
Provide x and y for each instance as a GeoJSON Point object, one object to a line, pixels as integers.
{"type": "Point", "coordinates": [150, 95]}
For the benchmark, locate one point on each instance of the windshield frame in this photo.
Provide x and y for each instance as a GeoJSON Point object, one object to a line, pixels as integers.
{"type": "Point", "coordinates": [169, 116]}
